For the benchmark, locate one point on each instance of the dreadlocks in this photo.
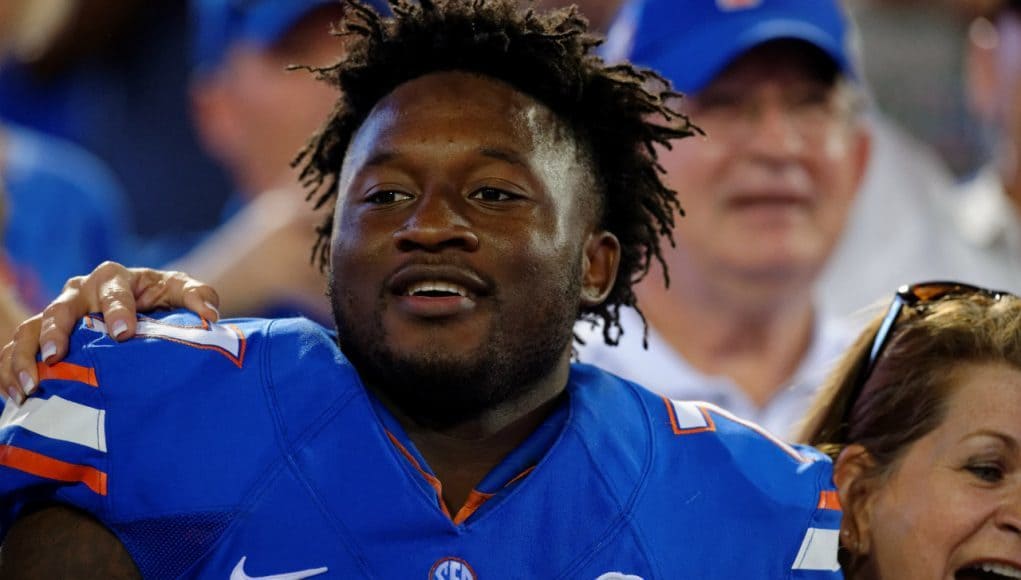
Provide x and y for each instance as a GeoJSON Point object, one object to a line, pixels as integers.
{"type": "Point", "coordinates": [618, 113]}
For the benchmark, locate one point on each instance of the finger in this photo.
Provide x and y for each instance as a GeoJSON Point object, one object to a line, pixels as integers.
{"type": "Point", "coordinates": [198, 297]}
{"type": "Point", "coordinates": [202, 300]}
{"type": "Point", "coordinates": [150, 286]}
{"type": "Point", "coordinates": [22, 369]}
{"type": "Point", "coordinates": [117, 302]}
{"type": "Point", "coordinates": [179, 289]}
{"type": "Point", "coordinates": [55, 325]}
{"type": "Point", "coordinates": [9, 388]}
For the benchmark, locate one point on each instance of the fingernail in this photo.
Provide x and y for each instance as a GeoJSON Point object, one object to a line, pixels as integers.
{"type": "Point", "coordinates": [214, 309]}
{"type": "Point", "coordinates": [119, 328]}
{"type": "Point", "coordinates": [49, 349]}
{"type": "Point", "coordinates": [27, 384]}
{"type": "Point", "coordinates": [12, 395]}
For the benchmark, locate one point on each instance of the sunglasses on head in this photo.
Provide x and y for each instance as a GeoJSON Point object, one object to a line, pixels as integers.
{"type": "Point", "coordinates": [911, 296]}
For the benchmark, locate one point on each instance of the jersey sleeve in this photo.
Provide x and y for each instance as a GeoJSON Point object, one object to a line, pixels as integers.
{"type": "Point", "coordinates": [53, 446]}
{"type": "Point", "coordinates": [791, 486]}
{"type": "Point", "coordinates": [103, 430]}
{"type": "Point", "coordinates": [817, 551]}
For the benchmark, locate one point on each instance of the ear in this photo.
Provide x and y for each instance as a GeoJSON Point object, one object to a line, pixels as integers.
{"type": "Point", "coordinates": [600, 260]}
{"type": "Point", "coordinates": [853, 473]}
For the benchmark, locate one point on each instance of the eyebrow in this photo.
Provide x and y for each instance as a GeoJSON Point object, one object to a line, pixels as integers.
{"type": "Point", "coordinates": [1007, 440]}
{"type": "Point", "coordinates": [381, 158]}
{"type": "Point", "coordinates": [504, 155]}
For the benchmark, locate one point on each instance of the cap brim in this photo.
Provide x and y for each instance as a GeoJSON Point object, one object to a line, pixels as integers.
{"type": "Point", "coordinates": [691, 70]}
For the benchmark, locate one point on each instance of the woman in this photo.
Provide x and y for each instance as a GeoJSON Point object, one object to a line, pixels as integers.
{"type": "Point", "coordinates": [923, 420]}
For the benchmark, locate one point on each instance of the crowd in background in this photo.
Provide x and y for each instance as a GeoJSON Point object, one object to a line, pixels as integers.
{"type": "Point", "coordinates": [833, 166]}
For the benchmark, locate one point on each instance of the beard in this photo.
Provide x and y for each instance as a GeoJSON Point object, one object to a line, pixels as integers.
{"type": "Point", "coordinates": [439, 390]}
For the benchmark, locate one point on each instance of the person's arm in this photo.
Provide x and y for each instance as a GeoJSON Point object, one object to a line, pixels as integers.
{"type": "Point", "coordinates": [119, 293]}
{"type": "Point", "coordinates": [61, 542]}
{"type": "Point", "coordinates": [260, 257]}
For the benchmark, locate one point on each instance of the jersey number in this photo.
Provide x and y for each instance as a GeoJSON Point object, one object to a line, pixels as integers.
{"type": "Point", "coordinates": [225, 339]}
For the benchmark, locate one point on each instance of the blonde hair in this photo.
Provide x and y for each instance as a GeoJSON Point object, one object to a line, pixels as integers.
{"type": "Point", "coordinates": [904, 396]}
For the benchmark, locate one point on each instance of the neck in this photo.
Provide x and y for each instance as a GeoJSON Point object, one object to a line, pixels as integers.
{"type": "Point", "coordinates": [462, 455]}
{"type": "Point", "coordinates": [755, 334]}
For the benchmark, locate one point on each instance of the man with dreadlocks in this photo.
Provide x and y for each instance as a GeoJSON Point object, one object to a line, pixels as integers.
{"type": "Point", "coordinates": [492, 182]}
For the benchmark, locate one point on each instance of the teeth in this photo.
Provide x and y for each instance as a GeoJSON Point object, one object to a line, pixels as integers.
{"type": "Point", "coordinates": [1004, 570]}
{"type": "Point", "coordinates": [433, 286]}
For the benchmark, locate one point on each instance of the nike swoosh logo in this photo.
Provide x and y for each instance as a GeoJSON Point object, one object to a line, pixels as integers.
{"type": "Point", "coordinates": [238, 573]}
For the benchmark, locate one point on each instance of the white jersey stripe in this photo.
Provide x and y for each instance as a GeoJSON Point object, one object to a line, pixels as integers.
{"type": "Point", "coordinates": [818, 550]}
{"type": "Point", "coordinates": [58, 418]}
{"type": "Point", "coordinates": [760, 430]}
{"type": "Point", "coordinates": [689, 415]}
{"type": "Point", "coordinates": [226, 339]}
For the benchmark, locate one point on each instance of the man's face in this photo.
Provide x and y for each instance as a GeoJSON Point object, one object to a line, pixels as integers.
{"type": "Point", "coordinates": [459, 246]}
{"type": "Point", "coordinates": [257, 115]}
{"type": "Point", "coordinates": [768, 190]}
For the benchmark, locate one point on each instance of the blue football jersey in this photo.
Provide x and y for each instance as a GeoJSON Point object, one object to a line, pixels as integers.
{"type": "Point", "coordinates": [250, 449]}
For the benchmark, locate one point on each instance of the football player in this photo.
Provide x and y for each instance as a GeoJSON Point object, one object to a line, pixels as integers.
{"type": "Point", "coordinates": [492, 182]}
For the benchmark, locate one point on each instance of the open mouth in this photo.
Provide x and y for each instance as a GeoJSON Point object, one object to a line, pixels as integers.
{"type": "Point", "coordinates": [436, 289]}
{"type": "Point", "coordinates": [988, 571]}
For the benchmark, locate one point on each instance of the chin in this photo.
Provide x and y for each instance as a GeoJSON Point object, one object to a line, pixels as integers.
{"type": "Point", "coordinates": [438, 388]}
{"type": "Point", "coordinates": [443, 390]}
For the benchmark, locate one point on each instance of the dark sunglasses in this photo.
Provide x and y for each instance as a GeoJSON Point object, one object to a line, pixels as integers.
{"type": "Point", "coordinates": [910, 296]}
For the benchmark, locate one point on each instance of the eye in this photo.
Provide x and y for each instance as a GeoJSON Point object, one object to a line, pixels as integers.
{"type": "Point", "coordinates": [493, 194]}
{"type": "Point", "coordinates": [988, 472]}
{"type": "Point", "coordinates": [816, 97]}
{"type": "Point", "coordinates": [719, 101]}
{"type": "Point", "coordinates": [387, 196]}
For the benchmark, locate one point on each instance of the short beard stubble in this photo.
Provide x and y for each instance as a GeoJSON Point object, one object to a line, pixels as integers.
{"type": "Point", "coordinates": [439, 391]}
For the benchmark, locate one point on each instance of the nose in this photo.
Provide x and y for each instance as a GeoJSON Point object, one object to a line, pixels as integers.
{"type": "Point", "coordinates": [436, 222]}
{"type": "Point", "coordinates": [774, 132]}
{"type": "Point", "coordinates": [1008, 518]}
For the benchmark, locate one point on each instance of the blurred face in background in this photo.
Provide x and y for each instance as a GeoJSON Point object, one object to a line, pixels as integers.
{"type": "Point", "coordinates": [1009, 72]}
{"type": "Point", "coordinates": [27, 27]}
{"type": "Point", "coordinates": [994, 84]}
{"type": "Point", "coordinates": [254, 115]}
{"type": "Point", "coordinates": [768, 190]}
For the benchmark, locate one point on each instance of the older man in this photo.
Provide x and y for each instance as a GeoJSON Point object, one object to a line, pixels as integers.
{"type": "Point", "coordinates": [767, 193]}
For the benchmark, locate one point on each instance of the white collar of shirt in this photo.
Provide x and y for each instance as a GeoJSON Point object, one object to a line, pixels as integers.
{"type": "Point", "coordinates": [663, 370]}
{"type": "Point", "coordinates": [984, 215]}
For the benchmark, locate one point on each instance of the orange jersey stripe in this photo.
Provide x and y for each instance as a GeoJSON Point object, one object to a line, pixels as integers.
{"type": "Point", "coordinates": [68, 372]}
{"type": "Point", "coordinates": [43, 466]}
{"type": "Point", "coordinates": [433, 481]}
{"type": "Point", "coordinates": [475, 500]}
{"type": "Point", "coordinates": [829, 500]}
{"type": "Point", "coordinates": [520, 476]}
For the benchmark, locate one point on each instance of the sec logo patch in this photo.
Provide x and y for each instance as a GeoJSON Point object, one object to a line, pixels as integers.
{"type": "Point", "coordinates": [451, 569]}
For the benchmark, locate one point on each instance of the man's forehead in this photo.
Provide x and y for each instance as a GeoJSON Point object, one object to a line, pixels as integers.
{"type": "Point", "coordinates": [480, 113]}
